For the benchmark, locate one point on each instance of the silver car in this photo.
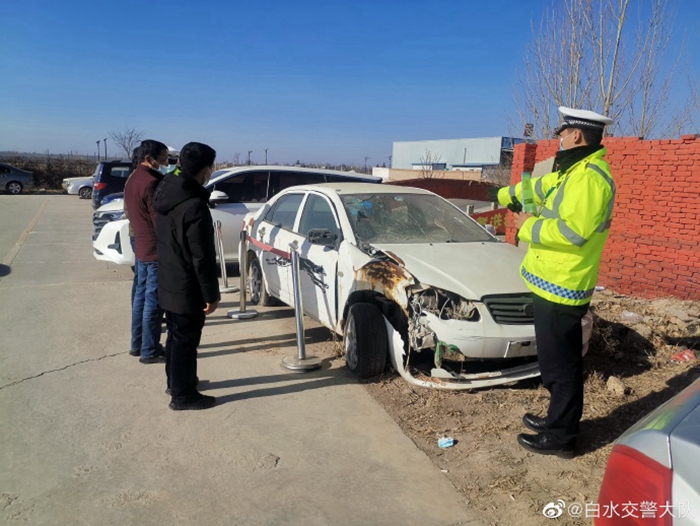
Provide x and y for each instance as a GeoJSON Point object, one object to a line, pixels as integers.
{"type": "Point", "coordinates": [13, 180]}
{"type": "Point", "coordinates": [81, 186]}
{"type": "Point", "coordinates": [652, 474]}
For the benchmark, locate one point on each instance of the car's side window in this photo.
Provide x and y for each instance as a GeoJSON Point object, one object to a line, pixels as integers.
{"type": "Point", "coordinates": [285, 211]}
{"type": "Point", "coordinates": [281, 180]}
{"type": "Point", "coordinates": [317, 214]}
{"type": "Point", "coordinates": [4, 170]}
{"type": "Point", "coordinates": [245, 188]}
{"type": "Point", "coordinates": [121, 172]}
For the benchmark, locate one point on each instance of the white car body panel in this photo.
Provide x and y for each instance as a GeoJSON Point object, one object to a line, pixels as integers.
{"type": "Point", "coordinates": [113, 243]}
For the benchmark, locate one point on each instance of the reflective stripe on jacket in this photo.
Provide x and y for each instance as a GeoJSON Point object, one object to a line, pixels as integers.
{"type": "Point", "coordinates": [567, 239]}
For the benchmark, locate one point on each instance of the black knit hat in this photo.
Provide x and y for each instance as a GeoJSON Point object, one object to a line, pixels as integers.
{"type": "Point", "coordinates": [194, 156]}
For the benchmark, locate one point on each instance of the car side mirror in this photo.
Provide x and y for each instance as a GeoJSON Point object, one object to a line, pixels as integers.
{"type": "Point", "coordinates": [321, 236]}
{"type": "Point", "coordinates": [217, 196]}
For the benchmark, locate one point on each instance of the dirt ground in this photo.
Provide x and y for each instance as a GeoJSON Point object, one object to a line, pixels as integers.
{"type": "Point", "coordinates": [633, 340]}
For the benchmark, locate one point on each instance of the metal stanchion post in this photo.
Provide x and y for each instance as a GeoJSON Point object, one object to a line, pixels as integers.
{"type": "Point", "coordinates": [218, 238]}
{"type": "Point", "coordinates": [242, 313]}
{"type": "Point", "coordinates": [302, 362]}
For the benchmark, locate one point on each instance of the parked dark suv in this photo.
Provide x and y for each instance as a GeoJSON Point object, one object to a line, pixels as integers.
{"type": "Point", "coordinates": [109, 178]}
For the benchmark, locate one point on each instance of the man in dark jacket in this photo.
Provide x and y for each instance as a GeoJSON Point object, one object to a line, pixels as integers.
{"type": "Point", "coordinates": [188, 287]}
{"type": "Point", "coordinates": [146, 315]}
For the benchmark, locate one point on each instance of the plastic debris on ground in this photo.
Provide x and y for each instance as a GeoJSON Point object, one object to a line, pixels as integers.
{"type": "Point", "coordinates": [446, 442]}
{"type": "Point", "coordinates": [685, 355]}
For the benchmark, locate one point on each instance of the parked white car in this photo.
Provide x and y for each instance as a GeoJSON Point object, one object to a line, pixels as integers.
{"type": "Point", "coordinates": [398, 272]}
{"type": "Point", "coordinates": [234, 193]}
{"type": "Point", "coordinates": [81, 186]}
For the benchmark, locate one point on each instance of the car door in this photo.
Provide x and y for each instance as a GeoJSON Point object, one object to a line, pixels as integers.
{"type": "Point", "coordinates": [276, 231]}
{"type": "Point", "coordinates": [247, 192]}
{"type": "Point", "coordinates": [318, 264]}
{"type": "Point", "coordinates": [4, 175]}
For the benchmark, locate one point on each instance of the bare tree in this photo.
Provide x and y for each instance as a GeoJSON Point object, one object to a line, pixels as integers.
{"type": "Point", "coordinates": [127, 138]}
{"type": "Point", "coordinates": [428, 162]}
{"type": "Point", "coordinates": [601, 56]}
{"type": "Point", "coordinates": [236, 159]}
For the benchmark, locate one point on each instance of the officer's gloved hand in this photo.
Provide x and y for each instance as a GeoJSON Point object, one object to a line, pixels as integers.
{"type": "Point", "coordinates": [515, 205]}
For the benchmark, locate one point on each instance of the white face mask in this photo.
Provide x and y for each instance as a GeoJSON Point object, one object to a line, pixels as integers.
{"type": "Point", "coordinates": [561, 144]}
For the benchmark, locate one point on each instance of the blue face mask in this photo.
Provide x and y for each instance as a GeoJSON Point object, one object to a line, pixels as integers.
{"type": "Point", "coordinates": [561, 144]}
{"type": "Point", "coordinates": [166, 169]}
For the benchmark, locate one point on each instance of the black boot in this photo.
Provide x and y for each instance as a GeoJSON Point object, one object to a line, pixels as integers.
{"type": "Point", "coordinates": [545, 444]}
{"type": "Point", "coordinates": [534, 423]}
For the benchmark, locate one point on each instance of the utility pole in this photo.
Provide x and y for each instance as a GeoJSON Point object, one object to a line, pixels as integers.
{"type": "Point", "coordinates": [266, 156]}
{"type": "Point", "coordinates": [367, 158]}
{"type": "Point", "coordinates": [390, 160]}
{"type": "Point", "coordinates": [249, 152]}
{"type": "Point", "coordinates": [105, 139]}
{"type": "Point", "coordinates": [98, 149]}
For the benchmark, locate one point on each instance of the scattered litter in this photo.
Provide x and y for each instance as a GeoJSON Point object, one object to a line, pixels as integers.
{"type": "Point", "coordinates": [444, 471]}
{"type": "Point", "coordinates": [631, 317]}
{"type": "Point", "coordinates": [599, 288]}
{"type": "Point", "coordinates": [616, 386]}
{"type": "Point", "coordinates": [685, 355]}
{"type": "Point", "coordinates": [446, 442]}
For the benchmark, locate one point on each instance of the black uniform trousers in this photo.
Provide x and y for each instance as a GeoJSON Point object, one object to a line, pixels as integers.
{"type": "Point", "coordinates": [559, 347]}
{"type": "Point", "coordinates": [184, 335]}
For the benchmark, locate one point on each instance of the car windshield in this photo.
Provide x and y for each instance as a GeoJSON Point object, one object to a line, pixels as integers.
{"type": "Point", "coordinates": [409, 218]}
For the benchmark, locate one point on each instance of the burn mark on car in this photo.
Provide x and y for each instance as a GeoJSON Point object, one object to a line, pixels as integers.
{"type": "Point", "coordinates": [387, 277]}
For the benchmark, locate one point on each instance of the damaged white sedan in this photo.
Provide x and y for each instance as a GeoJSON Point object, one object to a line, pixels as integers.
{"type": "Point", "coordinates": [401, 274]}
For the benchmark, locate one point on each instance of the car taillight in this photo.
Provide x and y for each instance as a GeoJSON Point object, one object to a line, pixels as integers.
{"type": "Point", "coordinates": [100, 186]}
{"type": "Point", "coordinates": [636, 490]}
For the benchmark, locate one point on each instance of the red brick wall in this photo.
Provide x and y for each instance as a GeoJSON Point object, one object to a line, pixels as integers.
{"type": "Point", "coordinates": [654, 244]}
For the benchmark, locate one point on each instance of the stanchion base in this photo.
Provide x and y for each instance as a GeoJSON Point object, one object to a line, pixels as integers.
{"type": "Point", "coordinates": [309, 363]}
{"type": "Point", "coordinates": [238, 315]}
{"type": "Point", "coordinates": [226, 290]}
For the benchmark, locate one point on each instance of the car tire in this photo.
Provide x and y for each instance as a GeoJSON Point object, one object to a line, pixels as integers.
{"type": "Point", "coordinates": [14, 187]}
{"type": "Point", "coordinates": [85, 193]}
{"type": "Point", "coordinates": [258, 294]}
{"type": "Point", "coordinates": [365, 340]}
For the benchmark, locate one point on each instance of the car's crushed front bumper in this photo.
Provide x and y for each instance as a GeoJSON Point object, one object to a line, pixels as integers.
{"type": "Point", "coordinates": [448, 379]}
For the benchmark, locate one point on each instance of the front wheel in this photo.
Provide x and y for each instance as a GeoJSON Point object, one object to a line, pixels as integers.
{"type": "Point", "coordinates": [365, 340]}
{"type": "Point", "coordinates": [14, 187]}
{"type": "Point", "coordinates": [256, 285]}
{"type": "Point", "coordinates": [85, 193]}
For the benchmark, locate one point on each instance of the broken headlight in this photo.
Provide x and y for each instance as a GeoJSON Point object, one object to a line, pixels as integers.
{"type": "Point", "coordinates": [445, 305]}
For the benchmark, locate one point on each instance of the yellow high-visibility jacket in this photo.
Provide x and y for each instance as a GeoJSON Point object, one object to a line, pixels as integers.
{"type": "Point", "coordinates": [566, 240]}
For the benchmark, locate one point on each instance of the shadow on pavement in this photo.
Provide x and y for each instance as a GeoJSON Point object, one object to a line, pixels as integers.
{"type": "Point", "coordinates": [325, 377]}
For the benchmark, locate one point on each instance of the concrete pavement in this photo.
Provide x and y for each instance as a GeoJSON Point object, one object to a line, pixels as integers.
{"type": "Point", "coordinates": [87, 437]}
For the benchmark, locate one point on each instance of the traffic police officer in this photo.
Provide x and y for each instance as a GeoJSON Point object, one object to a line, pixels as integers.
{"type": "Point", "coordinates": [566, 239]}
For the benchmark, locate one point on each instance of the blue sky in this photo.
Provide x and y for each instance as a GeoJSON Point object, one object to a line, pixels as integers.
{"type": "Point", "coordinates": [312, 81]}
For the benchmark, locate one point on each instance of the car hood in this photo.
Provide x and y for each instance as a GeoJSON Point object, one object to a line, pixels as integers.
{"type": "Point", "coordinates": [472, 270]}
{"type": "Point", "coordinates": [113, 206]}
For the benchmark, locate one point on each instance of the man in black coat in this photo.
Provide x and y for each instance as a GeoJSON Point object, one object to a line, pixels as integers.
{"type": "Point", "coordinates": [188, 287]}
